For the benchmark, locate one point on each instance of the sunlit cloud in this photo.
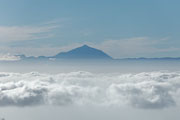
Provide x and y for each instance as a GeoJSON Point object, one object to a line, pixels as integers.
{"type": "Point", "coordinates": [147, 90]}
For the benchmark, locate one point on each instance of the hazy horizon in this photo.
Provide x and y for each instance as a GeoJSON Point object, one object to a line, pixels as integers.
{"type": "Point", "coordinates": [120, 28]}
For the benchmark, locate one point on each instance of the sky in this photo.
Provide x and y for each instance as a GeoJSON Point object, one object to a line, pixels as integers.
{"type": "Point", "coordinates": [121, 28]}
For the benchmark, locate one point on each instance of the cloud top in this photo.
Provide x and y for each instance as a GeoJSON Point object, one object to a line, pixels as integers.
{"type": "Point", "coordinates": [153, 90]}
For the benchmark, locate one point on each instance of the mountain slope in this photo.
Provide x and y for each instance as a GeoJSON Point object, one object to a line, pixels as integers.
{"type": "Point", "coordinates": [83, 52]}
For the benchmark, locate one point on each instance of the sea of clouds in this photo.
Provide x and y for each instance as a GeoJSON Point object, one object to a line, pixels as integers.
{"type": "Point", "coordinates": [148, 90]}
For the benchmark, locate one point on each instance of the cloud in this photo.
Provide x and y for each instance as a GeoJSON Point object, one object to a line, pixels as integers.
{"type": "Point", "coordinates": [21, 33]}
{"type": "Point", "coordinates": [9, 57]}
{"type": "Point", "coordinates": [153, 90]}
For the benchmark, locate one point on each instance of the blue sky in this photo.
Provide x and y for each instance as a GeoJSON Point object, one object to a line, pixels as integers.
{"type": "Point", "coordinates": [122, 28]}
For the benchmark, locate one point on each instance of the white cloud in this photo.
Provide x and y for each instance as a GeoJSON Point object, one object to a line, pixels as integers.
{"type": "Point", "coordinates": [9, 57]}
{"type": "Point", "coordinates": [153, 90]}
{"type": "Point", "coordinates": [21, 33]}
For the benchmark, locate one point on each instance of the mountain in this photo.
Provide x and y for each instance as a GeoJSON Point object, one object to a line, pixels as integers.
{"type": "Point", "coordinates": [83, 52]}
{"type": "Point", "coordinates": [88, 53]}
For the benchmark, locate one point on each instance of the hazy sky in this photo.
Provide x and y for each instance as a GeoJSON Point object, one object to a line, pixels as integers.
{"type": "Point", "coordinates": [122, 28]}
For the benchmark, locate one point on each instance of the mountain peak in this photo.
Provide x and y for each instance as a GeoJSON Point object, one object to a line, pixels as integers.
{"type": "Point", "coordinates": [85, 45]}
{"type": "Point", "coordinates": [83, 52]}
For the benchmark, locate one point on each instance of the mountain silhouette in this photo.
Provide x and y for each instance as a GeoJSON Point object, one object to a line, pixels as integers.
{"type": "Point", "coordinates": [86, 52]}
{"type": "Point", "coordinates": [83, 52]}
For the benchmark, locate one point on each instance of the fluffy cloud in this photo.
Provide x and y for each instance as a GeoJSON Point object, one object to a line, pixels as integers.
{"type": "Point", "coordinates": [152, 90]}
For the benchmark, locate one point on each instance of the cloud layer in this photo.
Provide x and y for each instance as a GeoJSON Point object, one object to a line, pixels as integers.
{"type": "Point", "coordinates": [154, 90]}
